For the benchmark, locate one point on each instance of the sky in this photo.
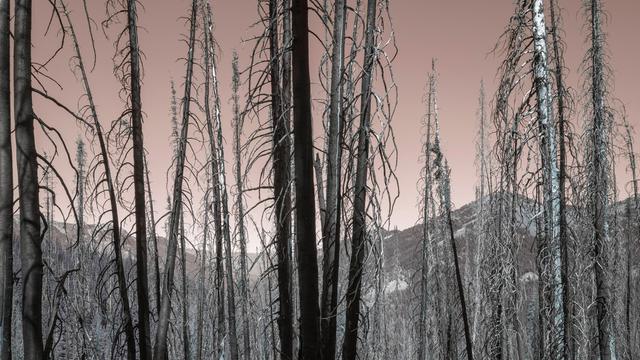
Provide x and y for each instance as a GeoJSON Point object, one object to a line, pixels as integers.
{"type": "Point", "coordinates": [459, 33]}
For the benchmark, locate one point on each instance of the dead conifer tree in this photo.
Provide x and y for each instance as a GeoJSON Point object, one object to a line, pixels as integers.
{"type": "Point", "coordinates": [305, 204]}
{"type": "Point", "coordinates": [160, 348]}
{"type": "Point", "coordinates": [142, 280]}
{"type": "Point", "coordinates": [599, 181]}
{"type": "Point", "coordinates": [360, 191]}
{"type": "Point", "coordinates": [331, 228]}
{"type": "Point", "coordinates": [26, 160]}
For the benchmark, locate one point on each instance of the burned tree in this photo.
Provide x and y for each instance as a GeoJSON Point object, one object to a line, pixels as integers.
{"type": "Point", "coordinates": [26, 160]}
{"type": "Point", "coordinates": [305, 204]}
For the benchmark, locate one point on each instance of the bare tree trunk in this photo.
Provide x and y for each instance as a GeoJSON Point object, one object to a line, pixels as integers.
{"type": "Point", "coordinates": [26, 156]}
{"type": "Point", "coordinates": [281, 187]}
{"type": "Point", "coordinates": [349, 347]}
{"type": "Point", "coordinates": [154, 237]}
{"type": "Point", "coordinates": [426, 242]}
{"type": "Point", "coordinates": [201, 283]}
{"type": "Point", "coordinates": [599, 182]}
{"type": "Point", "coordinates": [160, 350]}
{"type": "Point", "coordinates": [551, 196]}
{"type": "Point", "coordinates": [6, 187]}
{"type": "Point", "coordinates": [138, 181]}
{"type": "Point", "coordinates": [331, 227]}
{"type": "Point", "coordinates": [215, 190]}
{"type": "Point", "coordinates": [242, 238]}
{"type": "Point", "coordinates": [567, 306]}
{"type": "Point", "coordinates": [222, 184]}
{"type": "Point", "coordinates": [305, 204]}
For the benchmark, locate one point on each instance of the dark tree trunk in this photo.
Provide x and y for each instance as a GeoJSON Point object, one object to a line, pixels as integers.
{"type": "Point", "coordinates": [144, 336]}
{"type": "Point", "coordinates": [26, 156]}
{"type": "Point", "coordinates": [281, 189]}
{"type": "Point", "coordinates": [6, 188]}
{"type": "Point", "coordinates": [360, 192]}
{"type": "Point", "coordinates": [305, 202]}
{"type": "Point", "coordinates": [599, 182]}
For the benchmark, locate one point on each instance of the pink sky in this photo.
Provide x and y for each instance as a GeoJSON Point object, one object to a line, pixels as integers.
{"type": "Point", "coordinates": [459, 33]}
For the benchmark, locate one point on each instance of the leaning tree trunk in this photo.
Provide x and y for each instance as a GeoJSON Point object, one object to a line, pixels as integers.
{"type": "Point", "coordinates": [6, 188]}
{"type": "Point", "coordinates": [281, 190]}
{"type": "Point", "coordinates": [349, 347]}
{"type": "Point", "coordinates": [331, 228]}
{"type": "Point", "coordinates": [26, 158]}
{"type": "Point", "coordinates": [142, 281]}
{"type": "Point", "coordinates": [305, 203]}
{"type": "Point", "coordinates": [551, 198]}
{"type": "Point", "coordinates": [160, 350]}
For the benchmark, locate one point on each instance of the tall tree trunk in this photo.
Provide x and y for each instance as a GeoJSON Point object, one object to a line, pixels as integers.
{"type": "Point", "coordinates": [26, 156]}
{"type": "Point", "coordinates": [160, 350]}
{"type": "Point", "coordinates": [113, 201]}
{"type": "Point", "coordinates": [138, 181]}
{"type": "Point", "coordinates": [425, 243]}
{"type": "Point", "coordinates": [6, 187]}
{"type": "Point", "coordinates": [599, 182]}
{"type": "Point", "coordinates": [356, 264]}
{"type": "Point", "coordinates": [567, 305]}
{"type": "Point", "coordinates": [305, 203]}
{"type": "Point", "coordinates": [551, 198]}
{"type": "Point", "coordinates": [215, 189]}
{"type": "Point", "coordinates": [242, 238]}
{"type": "Point", "coordinates": [281, 188]}
{"type": "Point", "coordinates": [222, 184]}
{"type": "Point", "coordinates": [331, 228]}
